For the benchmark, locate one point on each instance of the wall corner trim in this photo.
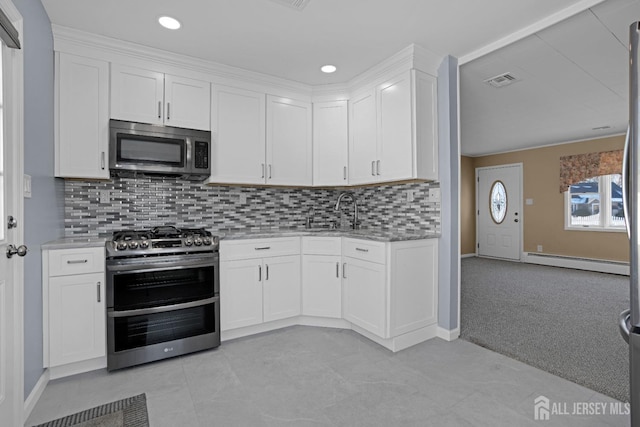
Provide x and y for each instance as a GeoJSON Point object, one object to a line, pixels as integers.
{"type": "Point", "coordinates": [448, 335]}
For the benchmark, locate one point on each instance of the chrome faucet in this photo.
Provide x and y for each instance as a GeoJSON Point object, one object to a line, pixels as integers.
{"type": "Point", "coordinates": [349, 194]}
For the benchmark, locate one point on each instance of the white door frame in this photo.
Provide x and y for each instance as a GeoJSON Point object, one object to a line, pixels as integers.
{"type": "Point", "coordinates": [520, 167]}
{"type": "Point", "coordinates": [14, 90]}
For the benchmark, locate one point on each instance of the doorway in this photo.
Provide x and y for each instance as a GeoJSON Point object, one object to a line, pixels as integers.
{"type": "Point", "coordinates": [499, 212]}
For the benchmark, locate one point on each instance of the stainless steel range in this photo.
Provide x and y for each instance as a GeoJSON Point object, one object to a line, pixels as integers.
{"type": "Point", "coordinates": [162, 294]}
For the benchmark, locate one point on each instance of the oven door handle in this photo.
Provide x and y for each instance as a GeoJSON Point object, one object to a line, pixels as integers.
{"type": "Point", "coordinates": [162, 309]}
{"type": "Point", "coordinates": [138, 268]}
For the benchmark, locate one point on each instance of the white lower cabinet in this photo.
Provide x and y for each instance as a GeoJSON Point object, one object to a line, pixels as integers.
{"type": "Point", "coordinates": [281, 287]}
{"type": "Point", "coordinates": [386, 290]}
{"type": "Point", "coordinates": [75, 307]}
{"type": "Point", "coordinates": [259, 281]}
{"type": "Point", "coordinates": [364, 295]}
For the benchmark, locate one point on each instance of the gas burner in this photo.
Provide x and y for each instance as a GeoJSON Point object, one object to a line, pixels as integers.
{"type": "Point", "coordinates": [160, 240]}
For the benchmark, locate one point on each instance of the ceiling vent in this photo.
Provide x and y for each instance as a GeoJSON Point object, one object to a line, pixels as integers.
{"type": "Point", "coordinates": [502, 80]}
{"type": "Point", "coordinates": [293, 4]}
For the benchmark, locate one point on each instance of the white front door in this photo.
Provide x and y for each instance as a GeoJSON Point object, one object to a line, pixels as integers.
{"type": "Point", "coordinates": [11, 363]}
{"type": "Point", "coordinates": [499, 211]}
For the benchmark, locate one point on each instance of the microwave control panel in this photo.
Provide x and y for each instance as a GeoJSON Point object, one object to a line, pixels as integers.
{"type": "Point", "coordinates": [201, 155]}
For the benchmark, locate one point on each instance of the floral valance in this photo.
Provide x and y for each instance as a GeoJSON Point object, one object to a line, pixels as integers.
{"type": "Point", "coordinates": [577, 168]}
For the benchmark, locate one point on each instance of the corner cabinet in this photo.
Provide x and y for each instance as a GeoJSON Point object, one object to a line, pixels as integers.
{"type": "Point", "coordinates": [148, 96]}
{"type": "Point", "coordinates": [394, 130]}
{"type": "Point", "coordinates": [74, 306]}
{"type": "Point", "coordinates": [82, 117]}
{"type": "Point", "coordinates": [330, 143]}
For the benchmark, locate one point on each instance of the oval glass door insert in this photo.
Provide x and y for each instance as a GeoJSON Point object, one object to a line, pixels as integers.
{"type": "Point", "coordinates": [498, 202]}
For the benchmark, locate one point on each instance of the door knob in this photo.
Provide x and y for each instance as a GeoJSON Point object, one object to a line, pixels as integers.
{"type": "Point", "coordinates": [20, 250]}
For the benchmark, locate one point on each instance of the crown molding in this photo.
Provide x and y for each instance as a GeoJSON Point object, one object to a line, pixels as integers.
{"type": "Point", "coordinates": [91, 45]}
{"type": "Point", "coordinates": [74, 41]}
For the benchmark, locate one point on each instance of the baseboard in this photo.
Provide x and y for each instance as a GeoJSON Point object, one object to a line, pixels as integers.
{"type": "Point", "coordinates": [36, 393]}
{"type": "Point", "coordinates": [56, 372]}
{"type": "Point", "coordinates": [468, 255]}
{"type": "Point", "coordinates": [589, 264]}
{"type": "Point", "coordinates": [448, 335]}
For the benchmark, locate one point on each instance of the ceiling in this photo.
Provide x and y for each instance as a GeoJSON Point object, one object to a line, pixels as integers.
{"type": "Point", "coordinates": [573, 75]}
{"type": "Point", "coordinates": [574, 80]}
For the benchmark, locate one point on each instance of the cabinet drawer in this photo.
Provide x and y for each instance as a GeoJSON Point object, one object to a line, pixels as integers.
{"type": "Point", "coordinates": [316, 245]}
{"type": "Point", "coordinates": [64, 262]}
{"type": "Point", "coordinates": [364, 249]}
{"type": "Point", "coordinates": [259, 248]}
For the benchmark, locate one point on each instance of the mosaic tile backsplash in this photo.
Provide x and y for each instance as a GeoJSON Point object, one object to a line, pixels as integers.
{"type": "Point", "coordinates": [152, 201]}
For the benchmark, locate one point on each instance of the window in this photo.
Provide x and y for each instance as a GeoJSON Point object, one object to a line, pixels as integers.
{"type": "Point", "coordinates": [595, 204]}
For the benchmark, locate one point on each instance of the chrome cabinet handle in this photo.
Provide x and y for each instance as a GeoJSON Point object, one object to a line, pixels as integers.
{"type": "Point", "coordinates": [266, 277]}
{"type": "Point", "coordinates": [77, 261]}
{"type": "Point", "coordinates": [269, 171]}
{"type": "Point", "coordinates": [259, 273]}
{"type": "Point", "coordinates": [263, 248]}
{"type": "Point", "coordinates": [102, 160]}
{"type": "Point", "coordinates": [373, 168]}
{"type": "Point", "coordinates": [344, 270]}
{"type": "Point", "coordinates": [168, 110]}
{"type": "Point", "coordinates": [98, 291]}
{"type": "Point", "coordinates": [362, 250]}
{"type": "Point", "coordinates": [338, 270]}
{"type": "Point", "coordinates": [378, 167]}
{"type": "Point", "coordinates": [159, 109]}
{"type": "Point", "coordinates": [344, 173]}
{"type": "Point", "coordinates": [262, 171]}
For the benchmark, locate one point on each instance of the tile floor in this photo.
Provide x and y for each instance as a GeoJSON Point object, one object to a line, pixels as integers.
{"type": "Point", "coordinates": [305, 376]}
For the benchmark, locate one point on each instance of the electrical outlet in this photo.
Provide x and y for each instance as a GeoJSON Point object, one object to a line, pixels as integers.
{"type": "Point", "coordinates": [410, 197]}
{"type": "Point", "coordinates": [434, 194]}
{"type": "Point", "coordinates": [242, 198]}
{"type": "Point", "coordinates": [539, 248]}
{"type": "Point", "coordinates": [285, 199]}
{"type": "Point", "coordinates": [105, 196]}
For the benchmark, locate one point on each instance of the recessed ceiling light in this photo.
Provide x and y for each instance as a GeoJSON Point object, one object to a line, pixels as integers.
{"type": "Point", "coordinates": [169, 22]}
{"type": "Point", "coordinates": [328, 69]}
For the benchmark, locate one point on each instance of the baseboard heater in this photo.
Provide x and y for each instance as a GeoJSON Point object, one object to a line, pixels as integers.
{"type": "Point", "coordinates": [590, 264]}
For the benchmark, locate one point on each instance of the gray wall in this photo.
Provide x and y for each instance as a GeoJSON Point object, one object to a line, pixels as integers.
{"type": "Point", "coordinates": [44, 211]}
{"type": "Point", "coordinates": [449, 158]}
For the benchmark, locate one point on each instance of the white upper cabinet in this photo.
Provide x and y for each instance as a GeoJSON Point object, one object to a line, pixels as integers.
{"type": "Point", "coordinates": [362, 138]}
{"type": "Point", "coordinates": [395, 142]}
{"type": "Point", "coordinates": [238, 128]}
{"type": "Point", "coordinates": [82, 125]}
{"type": "Point", "coordinates": [289, 146]}
{"type": "Point", "coordinates": [393, 131]}
{"type": "Point", "coordinates": [146, 96]}
{"type": "Point", "coordinates": [330, 143]}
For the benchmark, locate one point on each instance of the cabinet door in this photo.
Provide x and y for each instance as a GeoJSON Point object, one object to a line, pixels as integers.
{"type": "Point", "coordinates": [240, 293]}
{"type": "Point", "coordinates": [77, 318]}
{"type": "Point", "coordinates": [364, 302]}
{"type": "Point", "coordinates": [238, 136]}
{"type": "Point", "coordinates": [322, 286]}
{"type": "Point", "coordinates": [426, 125]}
{"type": "Point", "coordinates": [330, 143]}
{"type": "Point", "coordinates": [395, 142]}
{"type": "Point", "coordinates": [281, 284]}
{"type": "Point", "coordinates": [289, 148]}
{"type": "Point", "coordinates": [82, 135]}
{"type": "Point", "coordinates": [136, 94]}
{"type": "Point", "coordinates": [187, 103]}
{"type": "Point", "coordinates": [362, 139]}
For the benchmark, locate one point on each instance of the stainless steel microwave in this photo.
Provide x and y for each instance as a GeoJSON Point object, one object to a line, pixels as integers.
{"type": "Point", "coordinates": [138, 148]}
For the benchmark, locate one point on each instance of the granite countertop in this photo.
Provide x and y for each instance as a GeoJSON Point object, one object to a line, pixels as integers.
{"type": "Point", "coordinates": [376, 234]}
{"type": "Point", "coordinates": [75, 243]}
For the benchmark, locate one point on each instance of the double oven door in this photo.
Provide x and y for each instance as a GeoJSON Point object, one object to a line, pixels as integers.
{"type": "Point", "coordinates": [161, 306]}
